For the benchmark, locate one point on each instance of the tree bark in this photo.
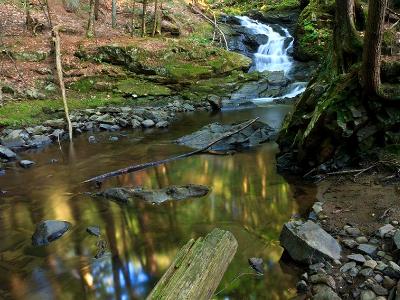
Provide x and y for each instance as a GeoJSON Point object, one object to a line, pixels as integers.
{"type": "Point", "coordinates": [347, 41]}
{"type": "Point", "coordinates": [144, 18]}
{"type": "Point", "coordinates": [370, 73]}
{"type": "Point", "coordinates": [133, 18]}
{"type": "Point", "coordinates": [198, 268]}
{"type": "Point", "coordinates": [155, 18]}
{"type": "Point", "coordinates": [114, 13]}
{"type": "Point", "coordinates": [57, 48]}
{"type": "Point", "coordinates": [90, 26]}
{"type": "Point", "coordinates": [96, 9]}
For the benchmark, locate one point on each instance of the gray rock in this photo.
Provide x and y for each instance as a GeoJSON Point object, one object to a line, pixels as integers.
{"type": "Point", "coordinates": [57, 134]}
{"type": "Point", "coordinates": [307, 242]}
{"type": "Point", "coordinates": [113, 138]}
{"type": "Point", "coordinates": [93, 230]}
{"type": "Point", "coordinates": [384, 230]}
{"type": "Point", "coordinates": [115, 128]}
{"type": "Point", "coordinates": [354, 272]}
{"type": "Point", "coordinates": [361, 240]}
{"type": "Point", "coordinates": [26, 163]}
{"type": "Point", "coordinates": [396, 239]}
{"type": "Point", "coordinates": [48, 231]}
{"type": "Point", "coordinates": [92, 139]}
{"type": "Point", "coordinates": [367, 272]}
{"type": "Point", "coordinates": [38, 141]}
{"type": "Point", "coordinates": [126, 195]}
{"type": "Point", "coordinates": [7, 153]}
{"type": "Point", "coordinates": [378, 278]}
{"type": "Point", "coordinates": [323, 278]}
{"type": "Point", "coordinates": [349, 243]}
{"type": "Point", "coordinates": [388, 282]}
{"type": "Point", "coordinates": [317, 208]}
{"type": "Point", "coordinates": [381, 266]}
{"type": "Point", "coordinates": [162, 124]}
{"type": "Point", "coordinates": [370, 264]}
{"type": "Point", "coordinates": [379, 290]}
{"type": "Point", "coordinates": [302, 287]}
{"type": "Point", "coordinates": [353, 231]}
{"type": "Point", "coordinates": [347, 267]}
{"type": "Point", "coordinates": [15, 139]}
{"type": "Point", "coordinates": [106, 127]}
{"type": "Point", "coordinates": [324, 292]}
{"type": "Point", "coordinates": [357, 258]}
{"type": "Point", "coordinates": [56, 123]}
{"type": "Point", "coordinates": [106, 119]}
{"type": "Point", "coordinates": [148, 123]}
{"type": "Point", "coordinates": [135, 123]}
{"type": "Point", "coordinates": [392, 270]}
{"type": "Point", "coordinates": [368, 249]}
{"type": "Point", "coordinates": [367, 295]}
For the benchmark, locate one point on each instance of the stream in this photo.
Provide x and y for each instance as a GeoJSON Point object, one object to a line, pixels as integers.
{"type": "Point", "coordinates": [248, 198]}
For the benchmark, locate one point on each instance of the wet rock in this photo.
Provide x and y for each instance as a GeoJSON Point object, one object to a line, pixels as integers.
{"type": "Point", "coordinates": [357, 258]}
{"type": "Point", "coordinates": [57, 134]}
{"type": "Point", "coordinates": [48, 231]}
{"type": "Point", "coordinates": [302, 287]}
{"type": "Point", "coordinates": [368, 249]}
{"type": "Point", "coordinates": [39, 141]}
{"type": "Point", "coordinates": [15, 139]}
{"type": "Point", "coordinates": [162, 124]}
{"type": "Point", "coordinates": [92, 139]}
{"type": "Point", "coordinates": [148, 123]}
{"type": "Point", "coordinates": [253, 135]}
{"type": "Point", "coordinates": [126, 195]}
{"type": "Point", "coordinates": [307, 242]}
{"type": "Point", "coordinates": [106, 127]}
{"type": "Point", "coordinates": [135, 123]}
{"type": "Point", "coordinates": [93, 230]}
{"type": "Point", "coordinates": [257, 264]}
{"type": "Point", "coordinates": [26, 163]}
{"type": "Point", "coordinates": [7, 153]}
{"type": "Point", "coordinates": [114, 139]}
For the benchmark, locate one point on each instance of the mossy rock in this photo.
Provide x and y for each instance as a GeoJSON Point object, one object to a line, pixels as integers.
{"type": "Point", "coordinates": [32, 56]}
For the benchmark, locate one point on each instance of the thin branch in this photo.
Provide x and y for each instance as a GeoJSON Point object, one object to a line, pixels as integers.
{"type": "Point", "coordinates": [139, 167]}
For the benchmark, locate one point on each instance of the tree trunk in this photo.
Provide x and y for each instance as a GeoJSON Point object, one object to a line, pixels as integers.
{"type": "Point", "coordinates": [371, 77]}
{"type": "Point", "coordinates": [96, 9]}
{"type": "Point", "coordinates": [347, 41]}
{"type": "Point", "coordinates": [198, 268]}
{"type": "Point", "coordinates": [114, 13]}
{"type": "Point", "coordinates": [155, 18]}
{"type": "Point", "coordinates": [90, 26]}
{"type": "Point", "coordinates": [133, 18]}
{"type": "Point", "coordinates": [57, 51]}
{"type": "Point", "coordinates": [144, 18]}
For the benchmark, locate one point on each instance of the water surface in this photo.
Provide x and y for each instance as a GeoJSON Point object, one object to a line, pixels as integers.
{"type": "Point", "coordinates": [248, 198]}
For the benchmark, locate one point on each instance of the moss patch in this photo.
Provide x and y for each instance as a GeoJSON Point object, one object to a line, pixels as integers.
{"type": "Point", "coordinates": [141, 87]}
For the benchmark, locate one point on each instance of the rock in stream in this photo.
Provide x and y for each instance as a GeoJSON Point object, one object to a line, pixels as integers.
{"type": "Point", "coordinates": [48, 231]}
{"type": "Point", "coordinates": [157, 196]}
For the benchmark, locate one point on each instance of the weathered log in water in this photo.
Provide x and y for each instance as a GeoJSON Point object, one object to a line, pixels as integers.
{"type": "Point", "coordinates": [198, 268]}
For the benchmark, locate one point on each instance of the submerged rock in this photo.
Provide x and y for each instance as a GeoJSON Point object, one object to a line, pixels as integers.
{"type": "Point", "coordinates": [48, 231]}
{"type": "Point", "coordinates": [93, 230]}
{"type": "Point", "coordinates": [157, 196]}
{"type": "Point", "coordinates": [253, 135]}
{"type": "Point", "coordinates": [26, 163]}
{"type": "Point", "coordinates": [307, 241]}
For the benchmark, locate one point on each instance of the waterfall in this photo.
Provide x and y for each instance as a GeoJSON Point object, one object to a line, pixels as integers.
{"type": "Point", "coordinates": [273, 56]}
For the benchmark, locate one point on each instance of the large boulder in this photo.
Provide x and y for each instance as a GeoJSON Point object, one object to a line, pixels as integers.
{"type": "Point", "coordinates": [157, 196]}
{"type": "Point", "coordinates": [48, 231]}
{"type": "Point", "coordinates": [307, 242]}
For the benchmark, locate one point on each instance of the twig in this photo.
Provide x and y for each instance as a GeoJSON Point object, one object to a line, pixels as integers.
{"type": "Point", "coordinates": [366, 169]}
{"type": "Point", "coordinates": [196, 10]}
{"type": "Point", "coordinates": [139, 167]}
{"type": "Point", "coordinates": [345, 172]}
{"type": "Point", "coordinates": [234, 279]}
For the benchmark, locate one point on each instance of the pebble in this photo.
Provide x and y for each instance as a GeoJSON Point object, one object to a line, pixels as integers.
{"type": "Point", "coordinates": [92, 139]}
{"type": "Point", "coordinates": [148, 123]}
{"type": "Point", "coordinates": [350, 243]}
{"type": "Point", "coordinates": [361, 240]}
{"type": "Point", "coordinates": [347, 267]}
{"type": "Point", "coordinates": [395, 223]}
{"type": "Point", "coordinates": [26, 163]}
{"type": "Point", "coordinates": [113, 138]}
{"type": "Point", "coordinates": [378, 278]}
{"type": "Point", "coordinates": [370, 264]}
{"type": "Point", "coordinates": [356, 257]}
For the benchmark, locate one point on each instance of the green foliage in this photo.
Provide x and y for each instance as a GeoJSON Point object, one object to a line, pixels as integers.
{"type": "Point", "coordinates": [238, 7]}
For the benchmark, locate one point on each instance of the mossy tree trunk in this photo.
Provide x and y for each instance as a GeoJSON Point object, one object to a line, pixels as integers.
{"type": "Point", "coordinates": [370, 73]}
{"type": "Point", "coordinates": [90, 25]}
{"type": "Point", "coordinates": [347, 41]}
{"type": "Point", "coordinates": [144, 18]}
{"type": "Point", "coordinates": [155, 18]}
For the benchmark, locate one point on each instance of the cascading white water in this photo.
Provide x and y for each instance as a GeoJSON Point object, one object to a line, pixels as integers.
{"type": "Point", "coordinates": [273, 56]}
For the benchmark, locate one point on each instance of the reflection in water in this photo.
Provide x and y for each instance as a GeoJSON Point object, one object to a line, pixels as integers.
{"type": "Point", "coordinates": [247, 198]}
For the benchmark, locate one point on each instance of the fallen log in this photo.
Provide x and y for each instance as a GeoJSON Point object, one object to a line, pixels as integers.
{"type": "Point", "coordinates": [139, 167]}
{"type": "Point", "coordinates": [198, 268]}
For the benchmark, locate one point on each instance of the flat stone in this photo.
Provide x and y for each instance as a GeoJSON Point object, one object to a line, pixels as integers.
{"type": "Point", "coordinates": [93, 230]}
{"type": "Point", "coordinates": [370, 264]}
{"type": "Point", "coordinates": [384, 230]}
{"type": "Point", "coordinates": [148, 123]}
{"type": "Point", "coordinates": [357, 258]}
{"type": "Point", "coordinates": [7, 153]}
{"type": "Point", "coordinates": [309, 242]}
{"type": "Point", "coordinates": [367, 249]}
{"type": "Point", "coordinates": [48, 231]}
{"type": "Point", "coordinates": [26, 163]}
